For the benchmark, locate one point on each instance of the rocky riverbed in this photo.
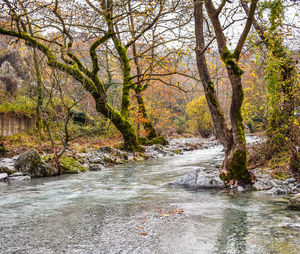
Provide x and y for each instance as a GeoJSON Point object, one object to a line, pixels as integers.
{"type": "Point", "coordinates": [132, 208]}
{"type": "Point", "coordinates": [30, 165]}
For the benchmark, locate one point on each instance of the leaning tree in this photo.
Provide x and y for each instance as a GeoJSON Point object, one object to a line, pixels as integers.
{"type": "Point", "coordinates": [59, 28]}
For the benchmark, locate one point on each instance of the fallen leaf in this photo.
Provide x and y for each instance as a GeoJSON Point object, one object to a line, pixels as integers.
{"type": "Point", "coordinates": [143, 234]}
{"type": "Point", "coordinates": [165, 215]}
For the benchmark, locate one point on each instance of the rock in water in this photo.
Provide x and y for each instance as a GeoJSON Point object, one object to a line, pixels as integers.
{"type": "Point", "coordinates": [30, 163]}
{"type": "Point", "coordinates": [294, 203]}
{"type": "Point", "coordinates": [3, 177]}
{"type": "Point", "coordinates": [19, 178]}
{"type": "Point", "coordinates": [197, 180]}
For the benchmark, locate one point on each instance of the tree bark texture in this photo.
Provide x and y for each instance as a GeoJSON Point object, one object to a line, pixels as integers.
{"type": "Point", "coordinates": [234, 168]}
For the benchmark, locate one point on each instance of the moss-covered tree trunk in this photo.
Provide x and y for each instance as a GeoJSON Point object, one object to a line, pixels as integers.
{"type": "Point", "coordinates": [121, 123]}
{"type": "Point", "coordinates": [126, 70]}
{"type": "Point", "coordinates": [234, 169]}
{"type": "Point", "coordinates": [235, 163]}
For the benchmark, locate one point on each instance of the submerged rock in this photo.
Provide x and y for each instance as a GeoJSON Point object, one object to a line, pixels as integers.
{"type": "Point", "coordinates": [30, 163]}
{"type": "Point", "coordinates": [294, 203]}
{"type": "Point", "coordinates": [197, 180]}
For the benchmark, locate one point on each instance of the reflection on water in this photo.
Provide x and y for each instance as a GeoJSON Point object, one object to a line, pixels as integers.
{"type": "Point", "coordinates": [119, 210]}
{"type": "Point", "coordinates": [234, 228]}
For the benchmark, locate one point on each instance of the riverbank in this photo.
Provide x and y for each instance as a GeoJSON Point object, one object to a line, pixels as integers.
{"type": "Point", "coordinates": [31, 164]}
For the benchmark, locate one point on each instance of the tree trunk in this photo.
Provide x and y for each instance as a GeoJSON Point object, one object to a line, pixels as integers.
{"type": "Point", "coordinates": [235, 163]}
{"type": "Point", "coordinates": [234, 168]}
{"type": "Point", "coordinates": [122, 124]}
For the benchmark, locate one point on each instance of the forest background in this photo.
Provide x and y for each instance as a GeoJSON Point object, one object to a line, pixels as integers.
{"type": "Point", "coordinates": [124, 74]}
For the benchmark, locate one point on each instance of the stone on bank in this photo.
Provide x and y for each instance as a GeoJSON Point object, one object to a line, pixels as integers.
{"type": "Point", "coordinates": [30, 163]}
{"type": "Point", "coordinates": [294, 203]}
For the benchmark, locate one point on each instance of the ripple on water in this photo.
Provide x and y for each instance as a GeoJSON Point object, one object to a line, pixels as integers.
{"type": "Point", "coordinates": [130, 209]}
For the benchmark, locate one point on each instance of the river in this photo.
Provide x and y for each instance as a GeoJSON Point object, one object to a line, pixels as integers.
{"type": "Point", "coordinates": [130, 208]}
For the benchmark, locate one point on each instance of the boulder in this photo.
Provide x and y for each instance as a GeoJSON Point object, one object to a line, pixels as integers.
{"type": "Point", "coordinates": [93, 157]}
{"type": "Point", "coordinates": [262, 184]}
{"type": "Point", "coordinates": [278, 191]}
{"type": "Point", "coordinates": [30, 163]}
{"type": "Point", "coordinates": [71, 166]}
{"type": "Point", "coordinates": [294, 203]}
{"type": "Point", "coordinates": [95, 167]}
{"type": "Point", "coordinates": [198, 180]}
{"type": "Point", "coordinates": [7, 165]}
{"type": "Point", "coordinates": [112, 155]}
{"type": "Point", "coordinates": [3, 177]}
{"type": "Point", "coordinates": [7, 170]}
{"type": "Point", "coordinates": [17, 174]}
{"type": "Point", "coordinates": [290, 180]}
{"type": "Point", "coordinates": [81, 117]}
{"type": "Point", "coordinates": [19, 178]}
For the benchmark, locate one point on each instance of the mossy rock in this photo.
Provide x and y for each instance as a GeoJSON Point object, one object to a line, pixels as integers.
{"type": "Point", "coordinates": [30, 163]}
{"type": "Point", "coordinates": [7, 170]}
{"type": "Point", "coordinates": [281, 175]}
{"type": "Point", "coordinates": [68, 165]}
{"type": "Point", "coordinates": [177, 151]}
{"type": "Point", "coordinates": [71, 166]}
{"type": "Point", "coordinates": [158, 140]}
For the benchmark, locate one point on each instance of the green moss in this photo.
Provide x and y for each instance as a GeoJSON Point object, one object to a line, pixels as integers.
{"type": "Point", "coordinates": [281, 175]}
{"type": "Point", "coordinates": [240, 128]}
{"type": "Point", "coordinates": [123, 125]}
{"type": "Point", "coordinates": [236, 69]}
{"type": "Point", "coordinates": [177, 151]}
{"type": "Point", "coordinates": [71, 166]}
{"type": "Point", "coordinates": [20, 105]}
{"type": "Point", "coordinates": [226, 54]}
{"type": "Point", "coordinates": [68, 164]}
{"type": "Point", "coordinates": [158, 140]}
{"type": "Point", "coordinates": [6, 170]}
{"type": "Point", "coordinates": [229, 60]}
{"type": "Point", "coordinates": [211, 94]}
{"type": "Point", "coordinates": [237, 168]}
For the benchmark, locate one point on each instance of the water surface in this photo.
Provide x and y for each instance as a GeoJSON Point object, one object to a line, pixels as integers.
{"type": "Point", "coordinates": [131, 209]}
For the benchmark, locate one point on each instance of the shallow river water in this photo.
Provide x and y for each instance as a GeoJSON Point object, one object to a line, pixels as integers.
{"type": "Point", "coordinates": [130, 209]}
